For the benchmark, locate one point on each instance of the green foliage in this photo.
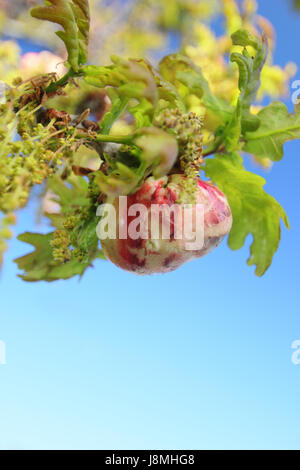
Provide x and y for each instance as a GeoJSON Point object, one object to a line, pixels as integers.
{"type": "Point", "coordinates": [72, 247]}
{"type": "Point", "coordinates": [120, 180]}
{"type": "Point", "coordinates": [277, 126]}
{"type": "Point", "coordinates": [130, 78]}
{"type": "Point", "coordinates": [151, 150]}
{"type": "Point", "coordinates": [180, 70]}
{"type": "Point", "coordinates": [76, 215]}
{"type": "Point", "coordinates": [250, 69]}
{"type": "Point", "coordinates": [73, 16]}
{"type": "Point", "coordinates": [254, 211]}
{"type": "Point", "coordinates": [119, 105]}
{"type": "Point", "coordinates": [40, 264]}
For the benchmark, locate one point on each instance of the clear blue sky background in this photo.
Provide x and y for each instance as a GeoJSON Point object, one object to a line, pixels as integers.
{"type": "Point", "coordinates": [199, 358]}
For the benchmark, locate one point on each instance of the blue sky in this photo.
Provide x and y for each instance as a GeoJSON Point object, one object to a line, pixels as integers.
{"type": "Point", "coordinates": [196, 359]}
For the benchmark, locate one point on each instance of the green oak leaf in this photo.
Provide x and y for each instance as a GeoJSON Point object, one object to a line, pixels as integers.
{"type": "Point", "coordinates": [118, 107]}
{"type": "Point", "coordinates": [153, 151]}
{"type": "Point", "coordinates": [77, 219]}
{"type": "Point", "coordinates": [39, 265]}
{"type": "Point", "coordinates": [277, 126]}
{"type": "Point", "coordinates": [180, 70]}
{"type": "Point", "coordinates": [166, 90]}
{"type": "Point", "coordinates": [122, 180]}
{"type": "Point", "coordinates": [131, 79]}
{"type": "Point", "coordinates": [69, 195]}
{"type": "Point", "coordinates": [254, 211]}
{"type": "Point", "coordinates": [73, 16]}
{"type": "Point", "coordinates": [250, 68]}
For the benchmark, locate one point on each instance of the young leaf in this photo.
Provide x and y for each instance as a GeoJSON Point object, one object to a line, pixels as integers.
{"type": "Point", "coordinates": [155, 149]}
{"type": "Point", "coordinates": [118, 107]}
{"type": "Point", "coordinates": [254, 211]}
{"type": "Point", "coordinates": [166, 90]}
{"type": "Point", "coordinates": [250, 69]}
{"type": "Point", "coordinates": [73, 16]}
{"type": "Point", "coordinates": [249, 81]}
{"type": "Point", "coordinates": [179, 69]}
{"type": "Point", "coordinates": [121, 181]}
{"type": "Point", "coordinates": [130, 79]}
{"type": "Point", "coordinates": [39, 265]}
{"type": "Point", "coordinates": [277, 126]}
{"type": "Point", "coordinates": [84, 237]}
{"type": "Point", "coordinates": [71, 195]}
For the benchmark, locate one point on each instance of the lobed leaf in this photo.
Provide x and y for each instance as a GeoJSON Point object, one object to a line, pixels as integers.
{"type": "Point", "coordinates": [131, 79]}
{"type": "Point", "coordinates": [39, 265]}
{"type": "Point", "coordinates": [153, 150]}
{"type": "Point", "coordinates": [69, 195]}
{"type": "Point", "coordinates": [75, 209]}
{"type": "Point", "coordinates": [254, 211]}
{"type": "Point", "coordinates": [277, 126]}
{"type": "Point", "coordinates": [73, 16]}
{"type": "Point", "coordinates": [179, 69]}
{"type": "Point", "coordinates": [117, 109]}
{"type": "Point", "coordinates": [250, 68]}
{"type": "Point", "coordinates": [121, 181]}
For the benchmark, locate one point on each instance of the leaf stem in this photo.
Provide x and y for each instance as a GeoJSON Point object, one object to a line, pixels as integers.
{"type": "Point", "coordinates": [215, 147]}
{"type": "Point", "coordinates": [117, 139]}
{"type": "Point", "coordinates": [63, 81]}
